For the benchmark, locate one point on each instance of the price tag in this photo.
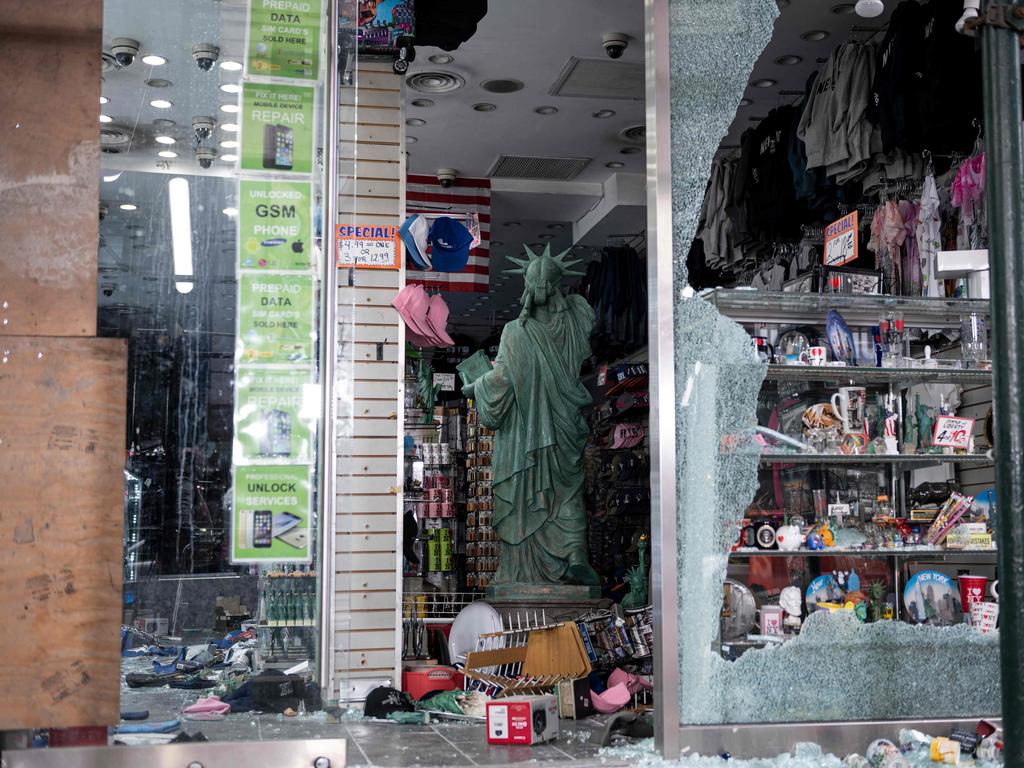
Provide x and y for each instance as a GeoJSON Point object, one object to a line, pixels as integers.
{"type": "Point", "coordinates": [841, 241]}
{"type": "Point", "coordinates": [952, 432]}
{"type": "Point", "coordinates": [368, 247]}
{"type": "Point", "coordinates": [446, 380]}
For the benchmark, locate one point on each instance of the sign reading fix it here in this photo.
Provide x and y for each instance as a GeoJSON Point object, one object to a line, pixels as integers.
{"type": "Point", "coordinates": [841, 241]}
{"type": "Point", "coordinates": [368, 247]}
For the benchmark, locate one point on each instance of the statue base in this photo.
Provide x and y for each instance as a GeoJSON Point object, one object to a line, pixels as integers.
{"type": "Point", "coordinates": [550, 600]}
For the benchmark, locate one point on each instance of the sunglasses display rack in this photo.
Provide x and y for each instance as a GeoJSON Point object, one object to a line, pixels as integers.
{"type": "Point", "coordinates": [481, 539]}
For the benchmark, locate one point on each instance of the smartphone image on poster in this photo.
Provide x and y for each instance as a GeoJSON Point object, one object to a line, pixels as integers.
{"type": "Point", "coordinates": [278, 146]}
{"type": "Point", "coordinates": [262, 528]}
{"type": "Point", "coordinates": [284, 522]}
{"type": "Point", "coordinates": [298, 538]}
{"type": "Point", "coordinates": [276, 441]}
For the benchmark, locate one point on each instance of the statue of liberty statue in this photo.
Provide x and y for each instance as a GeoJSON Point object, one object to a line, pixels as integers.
{"type": "Point", "coordinates": [532, 398]}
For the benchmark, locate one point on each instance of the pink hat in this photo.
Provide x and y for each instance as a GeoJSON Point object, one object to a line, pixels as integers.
{"type": "Point", "coordinates": [411, 303]}
{"type": "Point", "coordinates": [437, 319]}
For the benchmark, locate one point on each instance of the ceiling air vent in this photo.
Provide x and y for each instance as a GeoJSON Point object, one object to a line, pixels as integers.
{"type": "Point", "coordinates": [634, 133]}
{"type": "Point", "coordinates": [114, 139]}
{"type": "Point", "coordinates": [600, 79]}
{"type": "Point", "coordinates": [523, 167]}
{"type": "Point", "coordinates": [435, 82]}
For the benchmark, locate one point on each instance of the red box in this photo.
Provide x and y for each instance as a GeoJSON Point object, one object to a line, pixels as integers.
{"type": "Point", "coordinates": [522, 719]}
{"type": "Point", "coordinates": [419, 682]}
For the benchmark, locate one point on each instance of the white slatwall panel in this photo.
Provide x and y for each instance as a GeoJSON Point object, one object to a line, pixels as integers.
{"type": "Point", "coordinates": [974, 404]}
{"type": "Point", "coordinates": [367, 550]}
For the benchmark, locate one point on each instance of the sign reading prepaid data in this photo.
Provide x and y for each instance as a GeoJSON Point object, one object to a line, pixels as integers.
{"type": "Point", "coordinates": [284, 39]}
{"type": "Point", "coordinates": [275, 226]}
{"type": "Point", "coordinates": [275, 319]}
{"type": "Point", "coordinates": [273, 414]}
{"type": "Point", "coordinates": [277, 128]}
{"type": "Point", "coordinates": [270, 514]}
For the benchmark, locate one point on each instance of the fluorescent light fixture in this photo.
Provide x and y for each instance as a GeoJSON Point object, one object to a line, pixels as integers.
{"type": "Point", "coordinates": [164, 140]}
{"type": "Point", "coordinates": [112, 177]}
{"type": "Point", "coordinates": [128, 207]}
{"type": "Point", "coordinates": [231, 88]}
{"type": "Point", "coordinates": [229, 158]}
{"type": "Point", "coordinates": [230, 66]}
{"type": "Point", "coordinates": [229, 108]}
{"type": "Point", "coordinates": [168, 154]}
{"type": "Point", "coordinates": [229, 127]}
{"type": "Point", "coordinates": [153, 60]}
{"type": "Point", "coordinates": [106, 119]}
{"type": "Point", "coordinates": [183, 286]}
{"type": "Point", "coordinates": [181, 230]}
{"type": "Point", "coordinates": [161, 104]}
{"type": "Point", "coordinates": [229, 144]}
{"type": "Point", "coordinates": [230, 211]}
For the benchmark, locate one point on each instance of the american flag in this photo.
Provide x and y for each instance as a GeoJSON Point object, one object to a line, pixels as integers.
{"type": "Point", "coordinates": [424, 195]}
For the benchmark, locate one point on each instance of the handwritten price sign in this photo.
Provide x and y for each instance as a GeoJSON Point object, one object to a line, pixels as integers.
{"type": "Point", "coordinates": [952, 432]}
{"type": "Point", "coordinates": [841, 241]}
{"type": "Point", "coordinates": [368, 247]}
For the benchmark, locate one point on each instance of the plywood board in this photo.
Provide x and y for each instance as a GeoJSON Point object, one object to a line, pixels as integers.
{"type": "Point", "coordinates": [62, 441]}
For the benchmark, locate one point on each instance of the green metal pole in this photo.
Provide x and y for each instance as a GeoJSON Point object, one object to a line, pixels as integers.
{"type": "Point", "coordinates": [1005, 176]}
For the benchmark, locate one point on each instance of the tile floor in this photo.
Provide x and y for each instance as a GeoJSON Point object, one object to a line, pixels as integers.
{"type": "Point", "coordinates": [375, 743]}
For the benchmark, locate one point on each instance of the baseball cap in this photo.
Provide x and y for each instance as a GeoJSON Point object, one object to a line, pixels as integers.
{"type": "Point", "coordinates": [437, 320]}
{"type": "Point", "coordinates": [450, 243]}
{"type": "Point", "coordinates": [414, 232]}
{"type": "Point", "coordinates": [411, 303]}
{"type": "Point", "coordinates": [381, 702]}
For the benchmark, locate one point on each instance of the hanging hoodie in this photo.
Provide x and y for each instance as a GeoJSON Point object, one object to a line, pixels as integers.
{"type": "Point", "coordinates": [929, 238]}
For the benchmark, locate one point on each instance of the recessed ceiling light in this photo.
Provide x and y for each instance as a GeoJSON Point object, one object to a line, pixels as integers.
{"type": "Point", "coordinates": [614, 164]}
{"type": "Point", "coordinates": [112, 177]}
{"type": "Point", "coordinates": [128, 207]}
{"type": "Point", "coordinates": [545, 110]}
{"type": "Point", "coordinates": [158, 82]}
{"type": "Point", "coordinates": [782, 4]}
{"type": "Point", "coordinates": [441, 58]}
{"type": "Point", "coordinates": [814, 35]}
{"type": "Point", "coordinates": [422, 103]}
{"type": "Point", "coordinates": [163, 122]}
{"type": "Point", "coordinates": [556, 226]}
{"type": "Point", "coordinates": [228, 144]}
{"type": "Point", "coordinates": [601, 114]}
{"type": "Point", "coordinates": [536, 245]}
{"type": "Point", "coordinates": [513, 224]}
{"type": "Point", "coordinates": [546, 236]}
{"type": "Point", "coordinates": [410, 139]}
{"type": "Point", "coordinates": [869, 9]}
{"type": "Point", "coordinates": [496, 243]}
{"type": "Point", "coordinates": [745, 102]}
{"type": "Point", "coordinates": [845, 9]}
{"type": "Point", "coordinates": [415, 122]}
{"type": "Point", "coordinates": [231, 88]}
{"type": "Point", "coordinates": [164, 140]}
{"type": "Point", "coordinates": [766, 82]}
{"type": "Point", "coordinates": [106, 119]}
{"type": "Point", "coordinates": [104, 99]}
{"type": "Point", "coordinates": [229, 127]}
{"type": "Point", "coordinates": [230, 66]}
{"type": "Point", "coordinates": [502, 86]}
{"type": "Point", "coordinates": [230, 211]}
{"type": "Point", "coordinates": [153, 60]}
{"type": "Point", "coordinates": [629, 151]}
{"type": "Point", "coordinates": [229, 158]}
{"type": "Point", "coordinates": [484, 107]}
{"type": "Point", "coordinates": [167, 153]}
{"type": "Point", "coordinates": [229, 108]}
{"type": "Point", "coordinates": [161, 104]}
{"type": "Point", "coordinates": [788, 60]}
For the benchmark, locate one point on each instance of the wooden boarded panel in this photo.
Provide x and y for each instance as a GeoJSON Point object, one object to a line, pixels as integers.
{"type": "Point", "coordinates": [62, 437]}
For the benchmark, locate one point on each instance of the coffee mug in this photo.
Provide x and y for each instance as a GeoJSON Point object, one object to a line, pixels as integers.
{"type": "Point", "coordinates": [763, 351]}
{"type": "Point", "coordinates": [972, 590]}
{"type": "Point", "coordinates": [984, 616]}
{"type": "Point", "coordinates": [815, 356]}
{"type": "Point", "coordinates": [849, 403]}
{"type": "Point", "coordinates": [789, 538]}
{"type": "Point", "coordinates": [769, 619]}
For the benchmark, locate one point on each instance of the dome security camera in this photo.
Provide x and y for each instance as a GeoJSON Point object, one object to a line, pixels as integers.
{"type": "Point", "coordinates": [205, 54]}
{"type": "Point", "coordinates": [615, 44]}
{"type": "Point", "coordinates": [446, 176]}
{"type": "Point", "coordinates": [202, 126]}
{"type": "Point", "coordinates": [124, 50]}
{"type": "Point", "coordinates": [205, 156]}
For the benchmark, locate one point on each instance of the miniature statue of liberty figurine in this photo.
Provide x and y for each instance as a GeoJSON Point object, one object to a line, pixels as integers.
{"type": "Point", "coordinates": [532, 398]}
{"type": "Point", "coordinates": [909, 429]}
{"type": "Point", "coordinates": [636, 577]}
{"type": "Point", "coordinates": [924, 425]}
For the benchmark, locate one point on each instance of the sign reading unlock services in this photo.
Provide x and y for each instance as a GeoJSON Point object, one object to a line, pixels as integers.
{"type": "Point", "coordinates": [277, 128]}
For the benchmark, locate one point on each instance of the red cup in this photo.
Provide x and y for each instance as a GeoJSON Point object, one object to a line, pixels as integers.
{"type": "Point", "coordinates": [972, 590]}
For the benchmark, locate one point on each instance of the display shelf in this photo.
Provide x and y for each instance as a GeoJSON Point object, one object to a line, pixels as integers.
{"type": "Point", "coordinates": [864, 375]}
{"type": "Point", "coordinates": [907, 553]}
{"type": "Point", "coordinates": [748, 306]}
{"type": "Point", "coordinates": [905, 459]}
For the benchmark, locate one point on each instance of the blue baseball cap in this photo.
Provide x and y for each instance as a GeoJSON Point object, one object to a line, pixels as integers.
{"type": "Point", "coordinates": [451, 242]}
{"type": "Point", "coordinates": [414, 234]}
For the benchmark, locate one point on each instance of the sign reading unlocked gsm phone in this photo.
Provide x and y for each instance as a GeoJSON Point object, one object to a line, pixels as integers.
{"type": "Point", "coordinates": [841, 241]}
{"type": "Point", "coordinates": [366, 246]}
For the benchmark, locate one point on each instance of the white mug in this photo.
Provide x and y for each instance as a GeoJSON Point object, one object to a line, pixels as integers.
{"type": "Point", "coordinates": [789, 538]}
{"type": "Point", "coordinates": [770, 619]}
{"type": "Point", "coordinates": [849, 403]}
{"type": "Point", "coordinates": [816, 356]}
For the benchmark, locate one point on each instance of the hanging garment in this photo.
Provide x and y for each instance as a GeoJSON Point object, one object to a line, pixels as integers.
{"type": "Point", "coordinates": [929, 240]}
{"type": "Point", "coordinates": [910, 258]}
{"type": "Point", "coordinates": [969, 196]}
{"type": "Point", "coordinates": [895, 105]}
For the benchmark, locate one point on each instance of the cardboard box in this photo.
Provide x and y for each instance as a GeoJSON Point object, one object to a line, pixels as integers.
{"type": "Point", "coordinates": [574, 699]}
{"type": "Point", "coordinates": [522, 720]}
